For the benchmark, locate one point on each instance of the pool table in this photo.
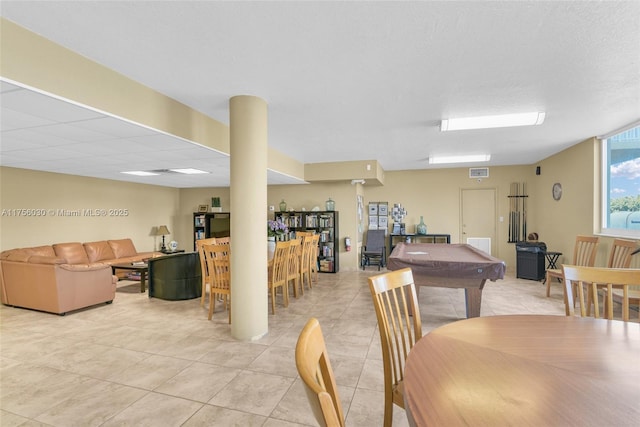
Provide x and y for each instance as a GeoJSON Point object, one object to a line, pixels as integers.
{"type": "Point", "coordinates": [449, 266]}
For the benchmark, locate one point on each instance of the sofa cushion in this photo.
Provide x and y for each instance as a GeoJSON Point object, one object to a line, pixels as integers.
{"type": "Point", "coordinates": [122, 248]}
{"type": "Point", "coordinates": [73, 252]}
{"type": "Point", "coordinates": [46, 250]}
{"type": "Point", "coordinates": [18, 255]}
{"type": "Point", "coordinates": [98, 251]}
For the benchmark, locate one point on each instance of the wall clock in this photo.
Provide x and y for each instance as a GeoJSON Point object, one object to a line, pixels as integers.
{"type": "Point", "coordinates": [557, 191]}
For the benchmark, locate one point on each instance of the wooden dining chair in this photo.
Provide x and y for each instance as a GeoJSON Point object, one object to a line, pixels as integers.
{"type": "Point", "coordinates": [314, 368]}
{"type": "Point", "coordinates": [584, 254]}
{"type": "Point", "coordinates": [278, 273]}
{"type": "Point", "coordinates": [305, 265]}
{"type": "Point", "coordinates": [394, 297]}
{"type": "Point", "coordinates": [206, 278]}
{"type": "Point", "coordinates": [592, 277]}
{"type": "Point", "coordinates": [313, 258]}
{"type": "Point", "coordinates": [618, 296]}
{"type": "Point", "coordinates": [293, 269]}
{"type": "Point", "coordinates": [619, 257]}
{"type": "Point", "coordinates": [219, 265]}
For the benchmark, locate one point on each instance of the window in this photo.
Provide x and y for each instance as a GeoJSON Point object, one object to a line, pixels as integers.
{"type": "Point", "coordinates": [621, 183]}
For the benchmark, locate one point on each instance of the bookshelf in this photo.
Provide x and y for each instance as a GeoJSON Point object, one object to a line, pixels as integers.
{"type": "Point", "coordinates": [324, 223]}
{"type": "Point", "coordinates": [210, 224]}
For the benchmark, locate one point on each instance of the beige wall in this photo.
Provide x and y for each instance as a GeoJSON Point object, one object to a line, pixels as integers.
{"type": "Point", "coordinates": [58, 195]}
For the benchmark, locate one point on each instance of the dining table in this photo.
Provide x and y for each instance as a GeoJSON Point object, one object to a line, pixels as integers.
{"type": "Point", "coordinates": [533, 370]}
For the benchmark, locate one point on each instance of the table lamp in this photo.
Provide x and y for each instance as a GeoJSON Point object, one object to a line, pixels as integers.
{"type": "Point", "coordinates": [162, 231]}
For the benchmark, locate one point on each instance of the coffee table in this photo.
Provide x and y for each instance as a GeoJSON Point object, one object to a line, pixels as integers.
{"type": "Point", "coordinates": [141, 268]}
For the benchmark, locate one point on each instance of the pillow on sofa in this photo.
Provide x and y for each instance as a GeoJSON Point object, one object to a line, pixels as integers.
{"type": "Point", "coordinates": [122, 248]}
{"type": "Point", "coordinates": [73, 253]}
{"type": "Point", "coordinates": [98, 251]}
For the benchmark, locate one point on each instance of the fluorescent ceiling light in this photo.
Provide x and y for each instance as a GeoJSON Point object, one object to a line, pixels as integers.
{"type": "Point", "coordinates": [439, 160]}
{"type": "Point", "coordinates": [188, 171]}
{"type": "Point", "coordinates": [487, 122]}
{"type": "Point", "coordinates": [141, 173]}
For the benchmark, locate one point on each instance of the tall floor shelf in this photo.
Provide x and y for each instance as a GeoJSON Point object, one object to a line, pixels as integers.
{"type": "Point", "coordinates": [324, 223]}
{"type": "Point", "coordinates": [211, 224]}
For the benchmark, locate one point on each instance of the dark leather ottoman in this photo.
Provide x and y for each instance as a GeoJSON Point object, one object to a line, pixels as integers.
{"type": "Point", "coordinates": [175, 277]}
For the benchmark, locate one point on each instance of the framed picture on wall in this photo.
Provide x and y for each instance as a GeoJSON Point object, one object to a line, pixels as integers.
{"type": "Point", "coordinates": [203, 208]}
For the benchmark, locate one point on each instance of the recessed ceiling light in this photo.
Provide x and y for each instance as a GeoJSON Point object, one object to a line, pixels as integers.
{"type": "Point", "coordinates": [188, 171]}
{"type": "Point", "coordinates": [487, 122]}
{"type": "Point", "coordinates": [141, 173]}
{"type": "Point", "coordinates": [438, 160]}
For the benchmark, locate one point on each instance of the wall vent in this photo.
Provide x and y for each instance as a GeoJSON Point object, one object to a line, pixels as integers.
{"type": "Point", "coordinates": [481, 243]}
{"type": "Point", "coordinates": [478, 172]}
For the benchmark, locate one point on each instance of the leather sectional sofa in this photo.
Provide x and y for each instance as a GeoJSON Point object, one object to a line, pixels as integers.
{"type": "Point", "coordinates": [64, 277]}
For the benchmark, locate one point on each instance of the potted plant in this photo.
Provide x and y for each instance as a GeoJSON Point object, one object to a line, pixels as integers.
{"type": "Point", "coordinates": [215, 204]}
{"type": "Point", "coordinates": [277, 230]}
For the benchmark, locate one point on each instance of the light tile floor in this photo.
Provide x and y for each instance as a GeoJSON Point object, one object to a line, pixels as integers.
{"type": "Point", "coordinates": [150, 362]}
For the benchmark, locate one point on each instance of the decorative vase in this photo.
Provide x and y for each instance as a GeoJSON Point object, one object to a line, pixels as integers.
{"type": "Point", "coordinates": [422, 227]}
{"type": "Point", "coordinates": [283, 206]}
{"type": "Point", "coordinates": [330, 205]}
{"type": "Point", "coordinates": [271, 244]}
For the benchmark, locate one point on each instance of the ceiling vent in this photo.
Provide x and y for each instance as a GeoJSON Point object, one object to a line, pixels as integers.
{"type": "Point", "coordinates": [478, 172]}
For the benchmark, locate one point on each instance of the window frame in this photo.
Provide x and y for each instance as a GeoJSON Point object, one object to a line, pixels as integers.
{"type": "Point", "coordinates": [604, 187]}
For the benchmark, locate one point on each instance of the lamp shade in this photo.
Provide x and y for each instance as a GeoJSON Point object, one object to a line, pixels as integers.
{"type": "Point", "coordinates": [162, 231]}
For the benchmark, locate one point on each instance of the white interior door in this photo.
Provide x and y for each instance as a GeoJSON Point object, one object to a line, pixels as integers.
{"type": "Point", "coordinates": [478, 215]}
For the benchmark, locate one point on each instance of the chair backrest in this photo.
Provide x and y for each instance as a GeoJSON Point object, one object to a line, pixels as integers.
{"type": "Point", "coordinates": [592, 277]}
{"type": "Point", "coordinates": [279, 267]}
{"type": "Point", "coordinates": [219, 265]}
{"type": "Point", "coordinates": [375, 240]}
{"type": "Point", "coordinates": [316, 374]}
{"type": "Point", "coordinates": [584, 252]}
{"type": "Point", "coordinates": [203, 256]}
{"type": "Point", "coordinates": [307, 241]}
{"type": "Point", "coordinates": [620, 255]}
{"type": "Point", "coordinates": [394, 298]}
{"type": "Point", "coordinates": [313, 252]}
{"type": "Point", "coordinates": [295, 251]}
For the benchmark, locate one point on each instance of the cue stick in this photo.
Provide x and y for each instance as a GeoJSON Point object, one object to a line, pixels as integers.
{"type": "Point", "coordinates": [524, 210]}
{"type": "Point", "coordinates": [511, 191]}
